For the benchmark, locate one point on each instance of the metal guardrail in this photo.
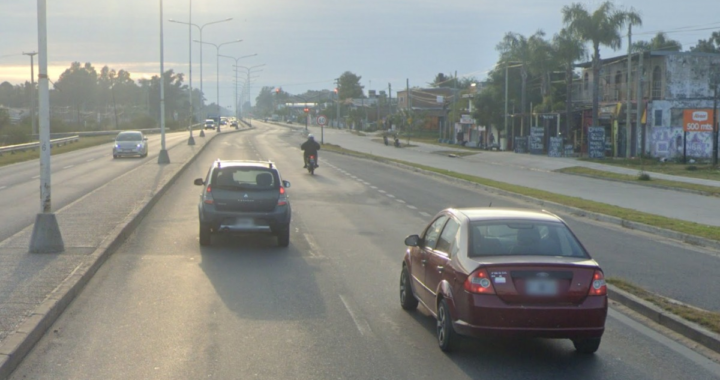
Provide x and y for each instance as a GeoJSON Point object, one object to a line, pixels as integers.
{"type": "Point", "coordinates": [116, 131]}
{"type": "Point", "coordinates": [35, 145]}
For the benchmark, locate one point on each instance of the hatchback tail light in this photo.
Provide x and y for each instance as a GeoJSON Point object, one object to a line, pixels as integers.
{"type": "Point", "coordinates": [282, 200]}
{"type": "Point", "coordinates": [598, 287]}
{"type": "Point", "coordinates": [479, 282]}
{"type": "Point", "coordinates": [208, 198]}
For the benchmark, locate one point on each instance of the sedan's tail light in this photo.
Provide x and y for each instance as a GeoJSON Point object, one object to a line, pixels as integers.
{"type": "Point", "coordinates": [479, 282]}
{"type": "Point", "coordinates": [598, 286]}
{"type": "Point", "coordinates": [208, 198]}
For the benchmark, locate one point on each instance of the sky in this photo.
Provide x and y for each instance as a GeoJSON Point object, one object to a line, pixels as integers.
{"type": "Point", "coordinates": [306, 44]}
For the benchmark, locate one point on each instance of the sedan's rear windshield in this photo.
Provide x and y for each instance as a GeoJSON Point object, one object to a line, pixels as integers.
{"type": "Point", "coordinates": [244, 178]}
{"type": "Point", "coordinates": [129, 136]}
{"type": "Point", "coordinates": [509, 237]}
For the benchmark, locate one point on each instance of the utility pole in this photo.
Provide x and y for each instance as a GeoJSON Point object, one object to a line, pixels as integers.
{"type": "Point", "coordinates": [627, 112]}
{"type": "Point", "coordinates": [508, 135]}
{"type": "Point", "coordinates": [409, 98]}
{"type": "Point", "coordinates": [337, 114]}
{"type": "Point", "coordinates": [163, 157]}
{"type": "Point", "coordinates": [389, 102]}
{"type": "Point", "coordinates": [33, 130]}
{"type": "Point", "coordinates": [638, 115]}
{"type": "Point", "coordinates": [715, 116]}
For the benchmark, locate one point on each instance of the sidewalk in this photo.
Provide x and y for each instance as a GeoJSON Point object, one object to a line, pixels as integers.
{"type": "Point", "coordinates": [535, 171]}
{"type": "Point", "coordinates": [35, 288]}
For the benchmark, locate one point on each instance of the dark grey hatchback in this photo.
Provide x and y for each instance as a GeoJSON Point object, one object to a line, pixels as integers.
{"type": "Point", "coordinates": [244, 197]}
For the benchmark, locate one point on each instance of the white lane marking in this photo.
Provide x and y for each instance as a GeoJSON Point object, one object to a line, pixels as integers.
{"type": "Point", "coordinates": [373, 187]}
{"type": "Point", "coordinates": [360, 323]}
{"type": "Point", "coordinates": [423, 213]}
{"type": "Point", "coordinates": [36, 177]}
{"type": "Point", "coordinates": [382, 191]}
{"type": "Point", "coordinates": [667, 342]}
{"type": "Point", "coordinates": [390, 195]}
{"type": "Point", "coordinates": [314, 248]}
{"type": "Point", "coordinates": [412, 207]}
{"type": "Point", "coordinates": [91, 159]}
{"type": "Point", "coordinates": [400, 200]}
{"type": "Point", "coordinates": [68, 167]}
{"type": "Point", "coordinates": [3, 187]}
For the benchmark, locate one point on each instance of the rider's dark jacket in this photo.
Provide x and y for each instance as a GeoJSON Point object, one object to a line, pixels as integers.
{"type": "Point", "coordinates": [310, 147]}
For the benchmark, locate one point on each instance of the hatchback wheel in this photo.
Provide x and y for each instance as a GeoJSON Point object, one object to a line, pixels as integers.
{"type": "Point", "coordinates": [586, 346]}
{"type": "Point", "coordinates": [204, 235]}
{"type": "Point", "coordinates": [407, 299]}
{"type": "Point", "coordinates": [284, 237]}
{"type": "Point", "coordinates": [445, 333]}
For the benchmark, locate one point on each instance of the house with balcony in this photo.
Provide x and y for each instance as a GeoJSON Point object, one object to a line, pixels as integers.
{"type": "Point", "coordinates": [675, 88]}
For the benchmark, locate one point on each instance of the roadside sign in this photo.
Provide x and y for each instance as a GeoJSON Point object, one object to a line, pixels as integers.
{"type": "Point", "coordinates": [322, 120]}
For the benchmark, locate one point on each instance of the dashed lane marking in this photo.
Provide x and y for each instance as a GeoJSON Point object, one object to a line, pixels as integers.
{"type": "Point", "coordinates": [68, 167]}
{"type": "Point", "coordinates": [382, 191]}
{"type": "Point", "coordinates": [423, 213]}
{"type": "Point", "coordinates": [3, 187]}
{"type": "Point", "coordinates": [400, 200]}
{"type": "Point", "coordinates": [36, 177]}
{"type": "Point", "coordinates": [412, 207]}
{"type": "Point", "coordinates": [360, 323]}
{"type": "Point", "coordinates": [90, 159]}
{"type": "Point", "coordinates": [390, 195]}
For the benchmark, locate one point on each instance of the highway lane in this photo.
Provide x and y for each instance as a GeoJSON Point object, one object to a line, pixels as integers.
{"type": "Point", "coordinates": [327, 307]}
{"type": "Point", "coordinates": [74, 174]}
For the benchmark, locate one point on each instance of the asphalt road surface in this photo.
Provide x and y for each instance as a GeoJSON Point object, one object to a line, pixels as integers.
{"type": "Point", "coordinates": [327, 307]}
{"type": "Point", "coordinates": [74, 174]}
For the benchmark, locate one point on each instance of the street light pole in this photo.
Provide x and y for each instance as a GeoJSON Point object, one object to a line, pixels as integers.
{"type": "Point", "coordinates": [236, 79]}
{"type": "Point", "coordinates": [46, 237]}
{"type": "Point", "coordinates": [217, 74]}
{"type": "Point", "coordinates": [163, 157]}
{"type": "Point", "coordinates": [32, 91]}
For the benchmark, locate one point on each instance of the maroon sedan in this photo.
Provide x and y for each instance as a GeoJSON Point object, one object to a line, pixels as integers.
{"type": "Point", "coordinates": [507, 272]}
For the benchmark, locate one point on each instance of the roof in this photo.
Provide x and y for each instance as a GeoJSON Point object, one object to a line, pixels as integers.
{"type": "Point", "coordinates": [499, 213]}
{"type": "Point", "coordinates": [653, 53]}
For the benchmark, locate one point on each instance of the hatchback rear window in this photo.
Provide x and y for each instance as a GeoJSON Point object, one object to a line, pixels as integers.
{"type": "Point", "coordinates": [244, 178]}
{"type": "Point", "coordinates": [501, 238]}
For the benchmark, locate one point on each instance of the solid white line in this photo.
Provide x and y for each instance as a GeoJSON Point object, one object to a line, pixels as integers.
{"type": "Point", "coordinates": [361, 324]}
{"type": "Point", "coordinates": [700, 360]}
{"type": "Point", "coordinates": [68, 167]}
{"type": "Point", "coordinates": [412, 207]}
{"type": "Point", "coordinates": [423, 213]}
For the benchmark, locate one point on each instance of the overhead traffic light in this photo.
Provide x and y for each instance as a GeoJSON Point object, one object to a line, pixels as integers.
{"type": "Point", "coordinates": [307, 110]}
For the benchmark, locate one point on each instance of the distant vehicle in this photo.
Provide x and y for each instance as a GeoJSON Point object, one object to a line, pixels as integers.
{"type": "Point", "coordinates": [507, 272]}
{"type": "Point", "coordinates": [223, 121]}
{"type": "Point", "coordinates": [234, 124]}
{"type": "Point", "coordinates": [244, 197]}
{"type": "Point", "coordinates": [130, 143]}
{"type": "Point", "coordinates": [209, 124]}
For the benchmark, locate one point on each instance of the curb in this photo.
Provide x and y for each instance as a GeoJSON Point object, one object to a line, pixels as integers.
{"type": "Point", "coordinates": [688, 329]}
{"type": "Point", "coordinates": [679, 236]}
{"type": "Point", "coordinates": [18, 344]}
{"type": "Point", "coordinates": [682, 190]}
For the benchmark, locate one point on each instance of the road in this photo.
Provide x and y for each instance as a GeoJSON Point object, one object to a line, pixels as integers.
{"type": "Point", "coordinates": [162, 307]}
{"type": "Point", "coordinates": [74, 174]}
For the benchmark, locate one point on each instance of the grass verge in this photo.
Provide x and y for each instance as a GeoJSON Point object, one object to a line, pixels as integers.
{"type": "Point", "coordinates": [696, 229]}
{"type": "Point", "coordinates": [703, 171]}
{"type": "Point", "coordinates": [708, 190]}
{"type": "Point", "coordinates": [708, 319]}
{"type": "Point", "coordinates": [84, 142]}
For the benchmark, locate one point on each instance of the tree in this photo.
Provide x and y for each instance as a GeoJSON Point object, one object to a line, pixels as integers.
{"type": "Point", "coordinates": [659, 42]}
{"type": "Point", "coordinates": [602, 27]}
{"type": "Point", "coordinates": [568, 49]}
{"type": "Point", "coordinates": [515, 47]}
{"type": "Point", "coordinates": [349, 86]}
{"type": "Point", "coordinates": [77, 87]}
{"type": "Point", "coordinates": [711, 45]}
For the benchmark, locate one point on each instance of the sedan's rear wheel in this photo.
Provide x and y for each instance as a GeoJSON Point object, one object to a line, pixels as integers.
{"type": "Point", "coordinates": [447, 337]}
{"type": "Point", "coordinates": [586, 346]}
{"type": "Point", "coordinates": [205, 238]}
{"type": "Point", "coordinates": [407, 299]}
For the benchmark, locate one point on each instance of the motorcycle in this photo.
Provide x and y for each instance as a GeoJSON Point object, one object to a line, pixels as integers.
{"type": "Point", "coordinates": [385, 140]}
{"type": "Point", "coordinates": [397, 142]}
{"type": "Point", "coordinates": [312, 164]}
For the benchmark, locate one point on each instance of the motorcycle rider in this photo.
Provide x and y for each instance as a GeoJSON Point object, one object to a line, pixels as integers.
{"type": "Point", "coordinates": [310, 148]}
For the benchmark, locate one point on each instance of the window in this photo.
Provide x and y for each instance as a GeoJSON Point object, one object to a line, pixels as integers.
{"type": "Point", "coordinates": [618, 85]}
{"type": "Point", "coordinates": [448, 239]}
{"type": "Point", "coordinates": [657, 118]}
{"type": "Point", "coordinates": [657, 83]}
{"type": "Point", "coordinates": [433, 232]}
{"type": "Point", "coordinates": [508, 237]}
{"type": "Point", "coordinates": [586, 81]}
{"type": "Point", "coordinates": [244, 178]}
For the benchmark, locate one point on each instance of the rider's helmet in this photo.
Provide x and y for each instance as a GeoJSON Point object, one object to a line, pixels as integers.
{"type": "Point", "coordinates": [311, 137]}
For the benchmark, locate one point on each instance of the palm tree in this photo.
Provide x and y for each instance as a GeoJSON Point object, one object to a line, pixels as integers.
{"type": "Point", "coordinates": [568, 49]}
{"type": "Point", "coordinates": [602, 27]}
{"type": "Point", "coordinates": [516, 47]}
{"type": "Point", "coordinates": [659, 42]}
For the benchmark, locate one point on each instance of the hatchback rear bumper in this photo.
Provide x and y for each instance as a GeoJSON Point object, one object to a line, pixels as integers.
{"type": "Point", "coordinates": [246, 222]}
{"type": "Point", "coordinates": [489, 315]}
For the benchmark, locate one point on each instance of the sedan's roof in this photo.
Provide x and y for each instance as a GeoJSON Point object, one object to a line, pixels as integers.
{"type": "Point", "coordinates": [498, 213]}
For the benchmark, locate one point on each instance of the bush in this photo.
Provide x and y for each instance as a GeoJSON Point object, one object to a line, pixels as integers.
{"type": "Point", "coordinates": [644, 177]}
{"type": "Point", "coordinates": [15, 134]}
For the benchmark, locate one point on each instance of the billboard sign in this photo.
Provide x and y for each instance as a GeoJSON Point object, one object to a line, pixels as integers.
{"type": "Point", "coordinates": [698, 120]}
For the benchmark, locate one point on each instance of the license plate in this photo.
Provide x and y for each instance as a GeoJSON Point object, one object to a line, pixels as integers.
{"type": "Point", "coordinates": [541, 287]}
{"type": "Point", "coordinates": [241, 222]}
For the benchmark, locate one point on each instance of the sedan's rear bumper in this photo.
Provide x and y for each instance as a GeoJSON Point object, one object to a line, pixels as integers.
{"type": "Point", "coordinates": [489, 315]}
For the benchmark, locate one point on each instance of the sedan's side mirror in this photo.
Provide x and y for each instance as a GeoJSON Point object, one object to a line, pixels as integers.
{"type": "Point", "coordinates": [199, 182]}
{"type": "Point", "coordinates": [413, 241]}
{"type": "Point", "coordinates": [286, 184]}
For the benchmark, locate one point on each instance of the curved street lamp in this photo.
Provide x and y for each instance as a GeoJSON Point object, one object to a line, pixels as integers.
{"type": "Point", "coordinates": [236, 61]}
{"type": "Point", "coordinates": [217, 58]}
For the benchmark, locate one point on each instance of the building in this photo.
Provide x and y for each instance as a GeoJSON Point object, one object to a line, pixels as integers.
{"type": "Point", "coordinates": [675, 88]}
